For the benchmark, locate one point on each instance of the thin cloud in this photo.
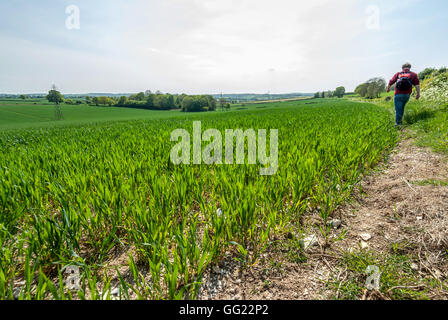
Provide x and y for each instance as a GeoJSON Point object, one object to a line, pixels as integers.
{"type": "Point", "coordinates": [197, 46]}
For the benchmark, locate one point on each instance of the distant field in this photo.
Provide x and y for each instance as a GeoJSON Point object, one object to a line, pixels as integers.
{"type": "Point", "coordinates": [18, 114]}
{"type": "Point", "coordinates": [25, 114]}
{"type": "Point", "coordinates": [279, 100]}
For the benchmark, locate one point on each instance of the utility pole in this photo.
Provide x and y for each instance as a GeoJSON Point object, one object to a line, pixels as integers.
{"type": "Point", "coordinates": [57, 108]}
{"type": "Point", "coordinates": [222, 102]}
{"type": "Point", "coordinates": [58, 113]}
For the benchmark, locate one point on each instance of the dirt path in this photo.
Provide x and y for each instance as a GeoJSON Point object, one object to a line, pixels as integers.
{"type": "Point", "coordinates": [403, 207]}
{"type": "Point", "coordinates": [406, 201]}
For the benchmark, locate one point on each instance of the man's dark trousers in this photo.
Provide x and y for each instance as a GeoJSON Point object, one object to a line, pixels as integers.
{"type": "Point", "coordinates": [400, 102]}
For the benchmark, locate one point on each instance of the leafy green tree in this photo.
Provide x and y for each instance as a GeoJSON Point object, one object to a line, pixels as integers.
{"type": "Point", "coordinates": [198, 103]}
{"type": "Point", "coordinates": [55, 97]}
{"type": "Point", "coordinates": [179, 100]}
{"type": "Point", "coordinates": [107, 101]}
{"type": "Point", "coordinates": [138, 97]}
{"type": "Point", "coordinates": [23, 97]}
{"type": "Point", "coordinates": [339, 92]}
{"type": "Point", "coordinates": [317, 95]}
{"type": "Point", "coordinates": [211, 103]}
{"type": "Point", "coordinates": [376, 86]}
{"type": "Point", "coordinates": [110, 102]}
{"type": "Point", "coordinates": [372, 88]}
{"type": "Point", "coordinates": [189, 104]}
{"type": "Point", "coordinates": [203, 101]}
{"type": "Point", "coordinates": [122, 101]}
{"type": "Point", "coordinates": [160, 101]}
{"type": "Point", "coordinates": [104, 101]}
{"type": "Point", "coordinates": [150, 101]}
{"type": "Point", "coordinates": [170, 102]}
{"type": "Point", "coordinates": [362, 89]}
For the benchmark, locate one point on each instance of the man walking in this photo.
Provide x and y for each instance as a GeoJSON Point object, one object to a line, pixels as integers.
{"type": "Point", "coordinates": [403, 89]}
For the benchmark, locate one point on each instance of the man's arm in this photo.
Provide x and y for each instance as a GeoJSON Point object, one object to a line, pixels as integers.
{"type": "Point", "coordinates": [392, 81]}
{"type": "Point", "coordinates": [416, 82]}
{"type": "Point", "coordinates": [417, 87]}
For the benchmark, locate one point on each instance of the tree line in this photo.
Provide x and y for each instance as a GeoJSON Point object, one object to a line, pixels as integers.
{"type": "Point", "coordinates": [339, 92]}
{"type": "Point", "coordinates": [431, 72]}
{"type": "Point", "coordinates": [146, 100]}
{"type": "Point", "coordinates": [160, 101]}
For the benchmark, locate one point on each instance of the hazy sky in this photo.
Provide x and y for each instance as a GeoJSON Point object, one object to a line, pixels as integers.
{"type": "Point", "coordinates": [209, 46]}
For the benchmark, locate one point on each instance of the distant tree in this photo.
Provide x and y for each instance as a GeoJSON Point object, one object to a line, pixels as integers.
{"type": "Point", "coordinates": [189, 104]}
{"type": "Point", "coordinates": [371, 92]}
{"type": "Point", "coordinates": [150, 101]}
{"type": "Point", "coordinates": [55, 97]}
{"type": "Point", "coordinates": [199, 103]}
{"type": "Point", "coordinates": [375, 88]}
{"type": "Point", "coordinates": [69, 101]}
{"type": "Point", "coordinates": [211, 103]}
{"type": "Point", "coordinates": [88, 100]}
{"type": "Point", "coordinates": [110, 102]}
{"type": "Point", "coordinates": [361, 89]}
{"type": "Point", "coordinates": [203, 101]}
{"type": "Point", "coordinates": [178, 100]}
{"type": "Point", "coordinates": [23, 97]}
{"type": "Point", "coordinates": [317, 95]}
{"type": "Point", "coordinates": [122, 101]}
{"type": "Point", "coordinates": [138, 97]}
{"type": "Point", "coordinates": [323, 94]}
{"type": "Point", "coordinates": [170, 101]}
{"type": "Point", "coordinates": [339, 92]}
{"type": "Point", "coordinates": [372, 88]}
{"type": "Point", "coordinates": [105, 101]}
{"type": "Point", "coordinates": [160, 101]}
{"type": "Point", "coordinates": [147, 93]}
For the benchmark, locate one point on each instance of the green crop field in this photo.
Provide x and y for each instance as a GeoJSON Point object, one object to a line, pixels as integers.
{"type": "Point", "coordinates": [38, 113]}
{"type": "Point", "coordinates": [18, 114]}
{"type": "Point", "coordinates": [84, 193]}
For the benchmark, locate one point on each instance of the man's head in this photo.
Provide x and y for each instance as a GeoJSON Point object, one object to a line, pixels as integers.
{"type": "Point", "coordinates": [407, 66]}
